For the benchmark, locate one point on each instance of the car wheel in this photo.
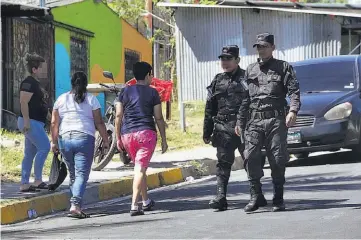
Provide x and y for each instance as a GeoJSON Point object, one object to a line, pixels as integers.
{"type": "Point", "coordinates": [301, 155]}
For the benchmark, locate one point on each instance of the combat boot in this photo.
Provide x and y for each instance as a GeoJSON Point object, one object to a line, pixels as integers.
{"type": "Point", "coordinates": [278, 203]}
{"type": "Point", "coordinates": [220, 201]}
{"type": "Point", "coordinates": [257, 198]}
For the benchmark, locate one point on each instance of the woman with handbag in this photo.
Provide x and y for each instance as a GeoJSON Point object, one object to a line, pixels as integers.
{"type": "Point", "coordinates": [76, 116]}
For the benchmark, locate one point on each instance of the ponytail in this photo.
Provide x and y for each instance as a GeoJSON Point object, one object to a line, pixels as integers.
{"type": "Point", "coordinates": [79, 84]}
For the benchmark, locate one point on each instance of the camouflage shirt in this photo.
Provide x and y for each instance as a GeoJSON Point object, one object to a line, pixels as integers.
{"type": "Point", "coordinates": [268, 85]}
{"type": "Point", "coordinates": [226, 94]}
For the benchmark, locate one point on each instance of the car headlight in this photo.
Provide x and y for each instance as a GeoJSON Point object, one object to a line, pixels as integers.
{"type": "Point", "coordinates": [340, 111]}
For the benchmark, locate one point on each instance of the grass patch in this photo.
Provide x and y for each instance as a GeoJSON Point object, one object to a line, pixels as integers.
{"type": "Point", "coordinates": [11, 158]}
{"type": "Point", "coordinates": [179, 140]}
{"type": "Point", "coordinates": [11, 135]}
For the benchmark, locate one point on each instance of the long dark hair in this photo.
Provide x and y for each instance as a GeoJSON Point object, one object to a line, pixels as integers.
{"type": "Point", "coordinates": [79, 82]}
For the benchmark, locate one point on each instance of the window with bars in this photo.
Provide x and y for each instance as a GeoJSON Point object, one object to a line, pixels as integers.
{"type": "Point", "coordinates": [79, 55]}
{"type": "Point", "coordinates": [130, 57]}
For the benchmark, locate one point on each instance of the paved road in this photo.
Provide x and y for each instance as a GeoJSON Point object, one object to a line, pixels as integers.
{"type": "Point", "coordinates": [324, 201]}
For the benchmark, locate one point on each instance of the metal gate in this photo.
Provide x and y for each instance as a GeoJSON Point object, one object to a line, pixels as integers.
{"type": "Point", "coordinates": [26, 36]}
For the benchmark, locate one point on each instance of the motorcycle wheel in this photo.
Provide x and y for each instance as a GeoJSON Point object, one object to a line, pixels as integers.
{"type": "Point", "coordinates": [100, 159]}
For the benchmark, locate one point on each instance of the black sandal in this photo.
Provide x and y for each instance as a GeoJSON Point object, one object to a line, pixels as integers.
{"type": "Point", "coordinates": [30, 189]}
{"type": "Point", "coordinates": [42, 186]}
{"type": "Point", "coordinates": [80, 215]}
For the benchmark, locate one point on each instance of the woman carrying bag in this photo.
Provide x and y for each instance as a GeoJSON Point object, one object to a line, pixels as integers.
{"type": "Point", "coordinates": [76, 116]}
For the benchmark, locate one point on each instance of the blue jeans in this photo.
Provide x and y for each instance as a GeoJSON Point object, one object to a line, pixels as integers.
{"type": "Point", "coordinates": [77, 149]}
{"type": "Point", "coordinates": [36, 145]}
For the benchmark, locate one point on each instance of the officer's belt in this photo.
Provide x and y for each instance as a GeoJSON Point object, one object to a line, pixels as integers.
{"type": "Point", "coordinates": [226, 117]}
{"type": "Point", "coordinates": [267, 114]}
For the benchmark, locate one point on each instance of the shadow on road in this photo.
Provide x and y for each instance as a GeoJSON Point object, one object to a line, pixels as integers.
{"type": "Point", "coordinates": [196, 197]}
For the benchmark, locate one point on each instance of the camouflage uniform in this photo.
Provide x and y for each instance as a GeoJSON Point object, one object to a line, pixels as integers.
{"type": "Point", "coordinates": [226, 94]}
{"type": "Point", "coordinates": [268, 84]}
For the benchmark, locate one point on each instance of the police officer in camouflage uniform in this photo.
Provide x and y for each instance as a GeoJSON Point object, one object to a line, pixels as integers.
{"type": "Point", "coordinates": [226, 94]}
{"type": "Point", "coordinates": [269, 80]}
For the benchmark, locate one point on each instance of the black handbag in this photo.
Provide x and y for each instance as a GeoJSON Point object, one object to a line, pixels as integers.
{"type": "Point", "coordinates": [58, 173]}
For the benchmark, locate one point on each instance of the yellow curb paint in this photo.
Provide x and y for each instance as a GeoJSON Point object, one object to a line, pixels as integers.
{"type": "Point", "coordinates": [18, 211]}
{"type": "Point", "coordinates": [171, 176]}
{"type": "Point", "coordinates": [104, 189]}
{"type": "Point", "coordinates": [153, 181]}
{"type": "Point", "coordinates": [41, 205]}
{"type": "Point", "coordinates": [115, 188]}
{"type": "Point", "coordinates": [15, 212]}
{"type": "Point", "coordinates": [7, 214]}
{"type": "Point", "coordinates": [59, 202]}
{"type": "Point", "coordinates": [125, 186]}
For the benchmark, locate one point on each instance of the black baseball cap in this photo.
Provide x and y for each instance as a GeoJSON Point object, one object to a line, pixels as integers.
{"type": "Point", "coordinates": [230, 51]}
{"type": "Point", "coordinates": [264, 38]}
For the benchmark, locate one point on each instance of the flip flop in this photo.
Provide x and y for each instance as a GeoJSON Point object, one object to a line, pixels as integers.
{"type": "Point", "coordinates": [42, 186]}
{"type": "Point", "coordinates": [30, 189]}
{"type": "Point", "coordinates": [80, 215]}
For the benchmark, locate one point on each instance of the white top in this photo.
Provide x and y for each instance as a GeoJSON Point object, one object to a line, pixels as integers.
{"type": "Point", "coordinates": [74, 116]}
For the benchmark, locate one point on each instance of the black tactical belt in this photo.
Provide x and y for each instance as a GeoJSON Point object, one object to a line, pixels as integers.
{"type": "Point", "coordinates": [226, 117]}
{"type": "Point", "coordinates": [267, 114]}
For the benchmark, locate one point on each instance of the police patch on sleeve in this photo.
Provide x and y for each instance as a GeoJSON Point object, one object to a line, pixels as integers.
{"type": "Point", "coordinates": [244, 84]}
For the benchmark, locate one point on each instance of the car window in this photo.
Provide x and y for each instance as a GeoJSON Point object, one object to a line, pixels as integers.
{"type": "Point", "coordinates": [332, 76]}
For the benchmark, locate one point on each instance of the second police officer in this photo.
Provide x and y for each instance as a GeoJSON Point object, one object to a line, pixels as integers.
{"type": "Point", "coordinates": [269, 81]}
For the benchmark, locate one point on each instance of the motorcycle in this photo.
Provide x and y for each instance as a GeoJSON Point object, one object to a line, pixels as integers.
{"type": "Point", "coordinates": [101, 157]}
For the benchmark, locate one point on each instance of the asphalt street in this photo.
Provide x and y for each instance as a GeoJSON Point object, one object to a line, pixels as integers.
{"type": "Point", "coordinates": [323, 197]}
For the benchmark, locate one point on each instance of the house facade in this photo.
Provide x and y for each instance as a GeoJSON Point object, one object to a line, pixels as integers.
{"type": "Point", "coordinates": [90, 37]}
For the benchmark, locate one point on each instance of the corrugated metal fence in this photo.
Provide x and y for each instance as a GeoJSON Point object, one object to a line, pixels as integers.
{"type": "Point", "coordinates": [203, 31]}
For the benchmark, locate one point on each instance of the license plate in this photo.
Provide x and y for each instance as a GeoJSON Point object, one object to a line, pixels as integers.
{"type": "Point", "coordinates": [294, 137]}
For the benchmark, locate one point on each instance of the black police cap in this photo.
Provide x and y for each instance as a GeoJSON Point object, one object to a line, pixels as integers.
{"type": "Point", "coordinates": [264, 38]}
{"type": "Point", "coordinates": [230, 51]}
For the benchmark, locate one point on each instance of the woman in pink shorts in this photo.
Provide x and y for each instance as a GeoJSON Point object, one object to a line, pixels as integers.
{"type": "Point", "coordinates": [136, 110]}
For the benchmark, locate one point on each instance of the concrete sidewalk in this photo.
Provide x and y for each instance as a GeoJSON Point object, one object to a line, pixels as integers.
{"type": "Point", "coordinates": [113, 181]}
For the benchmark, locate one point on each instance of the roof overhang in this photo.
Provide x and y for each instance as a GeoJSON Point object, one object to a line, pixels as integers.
{"type": "Point", "coordinates": [347, 10]}
{"type": "Point", "coordinates": [11, 9]}
{"type": "Point", "coordinates": [61, 3]}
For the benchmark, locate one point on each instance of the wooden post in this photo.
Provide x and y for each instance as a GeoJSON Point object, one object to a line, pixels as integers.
{"type": "Point", "coordinates": [168, 113]}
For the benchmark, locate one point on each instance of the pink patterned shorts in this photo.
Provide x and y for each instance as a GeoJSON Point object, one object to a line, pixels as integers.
{"type": "Point", "coordinates": [140, 146]}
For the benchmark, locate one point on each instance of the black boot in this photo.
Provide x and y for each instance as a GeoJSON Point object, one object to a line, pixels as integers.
{"type": "Point", "coordinates": [278, 203]}
{"type": "Point", "coordinates": [220, 201]}
{"type": "Point", "coordinates": [257, 198]}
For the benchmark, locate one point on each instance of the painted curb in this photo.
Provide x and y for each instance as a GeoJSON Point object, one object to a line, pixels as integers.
{"type": "Point", "coordinates": [26, 209]}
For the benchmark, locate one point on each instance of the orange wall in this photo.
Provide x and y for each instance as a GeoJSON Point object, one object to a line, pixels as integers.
{"type": "Point", "coordinates": [132, 40]}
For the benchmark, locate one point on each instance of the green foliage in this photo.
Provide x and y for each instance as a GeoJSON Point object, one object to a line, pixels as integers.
{"type": "Point", "coordinates": [129, 10]}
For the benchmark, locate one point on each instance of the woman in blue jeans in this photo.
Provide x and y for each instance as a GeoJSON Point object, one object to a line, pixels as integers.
{"type": "Point", "coordinates": [76, 116]}
{"type": "Point", "coordinates": [33, 115]}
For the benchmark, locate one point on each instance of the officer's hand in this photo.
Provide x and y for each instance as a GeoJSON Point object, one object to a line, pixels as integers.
{"type": "Point", "coordinates": [239, 133]}
{"type": "Point", "coordinates": [206, 140]}
{"type": "Point", "coordinates": [238, 130]}
{"type": "Point", "coordinates": [291, 119]}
